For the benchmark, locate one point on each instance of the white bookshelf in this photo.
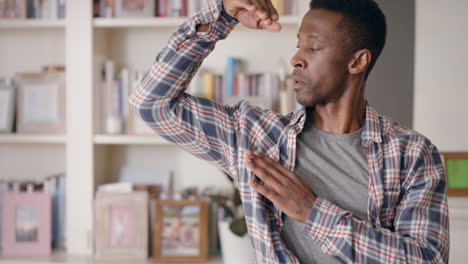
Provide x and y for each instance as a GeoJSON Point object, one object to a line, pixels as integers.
{"type": "Point", "coordinates": [63, 257]}
{"type": "Point", "coordinates": [161, 22]}
{"type": "Point", "coordinates": [137, 22]}
{"type": "Point", "coordinates": [88, 156]}
{"type": "Point", "coordinates": [32, 139]}
{"type": "Point", "coordinates": [131, 140]}
{"type": "Point", "coordinates": [31, 23]}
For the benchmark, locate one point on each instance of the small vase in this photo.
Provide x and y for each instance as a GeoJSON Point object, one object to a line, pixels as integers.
{"type": "Point", "coordinates": [235, 249]}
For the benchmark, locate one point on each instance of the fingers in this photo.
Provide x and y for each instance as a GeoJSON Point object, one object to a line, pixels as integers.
{"type": "Point", "coordinates": [262, 8]}
{"type": "Point", "coordinates": [269, 25]}
{"type": "Point", "coordinates": [269, 170]}
{"type": "Point", "coordinates": [273, 13]}
{"type": "Point", "coordinates": [275, 165]}
{"type": "Point", "coordinates": [265, 191]}
{"type": "Point", "coordinates": [265, 7]}
{"type": "Point", "coordinates": [265, 172]}
{"type": "Point", "coordinates": [248, 6]}
{"type": "Point", "coordinates": [276, 27]}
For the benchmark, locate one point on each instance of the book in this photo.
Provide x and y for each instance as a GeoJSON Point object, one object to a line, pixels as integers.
{"type": "Point", "coordinates": [134, 8]}
{"type": "Point", "coordinates": [232, 69]}
{"type": "Point", "coordinates": [107, 9]}
{"type": "Point", "coordinates": [208, 85]}
{"type": "Point", "coordinates": [279, 6]}
{"type": "Point", "coordinates": [163, 8]}
{"type": "Point", "coordinates": [55, 187]}
{"type": "Point", "coordinates": [3, 189]}
{"type": "Point", "coordinates": [45, 9]}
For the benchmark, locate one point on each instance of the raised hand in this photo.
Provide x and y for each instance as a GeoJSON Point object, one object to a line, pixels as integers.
{"type": "Point", "coordinates": [256, 14]}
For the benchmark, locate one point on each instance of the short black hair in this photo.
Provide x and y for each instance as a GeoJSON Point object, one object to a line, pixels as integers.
{"type": "Point", "coordinates": [364, 23]}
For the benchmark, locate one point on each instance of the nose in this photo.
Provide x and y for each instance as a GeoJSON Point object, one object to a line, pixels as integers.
{"type": "Point", "coordinates": [298, 61]}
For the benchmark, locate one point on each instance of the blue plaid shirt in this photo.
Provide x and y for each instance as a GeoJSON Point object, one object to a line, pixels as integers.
{"type": "Point", "coordinates": [407, 205]}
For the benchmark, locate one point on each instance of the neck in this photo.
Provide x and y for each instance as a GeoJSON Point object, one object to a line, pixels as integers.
{"type": "Point", "coordinates": [345, 115]}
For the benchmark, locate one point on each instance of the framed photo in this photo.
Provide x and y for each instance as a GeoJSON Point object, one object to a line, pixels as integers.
{"type": "Point", "coordinates": [40, 102]}
{"type": "Point", "coordinates": [456, 169]}
{"type": "Point", "coordinates": [181, 231]}
{"type": "Point", "coordinates": [121, 225]}
{"type": "Point", "coordinates": [26, 224]}
{"type": "Point", "coordinates": [7, 107]}
{"type": "Point", "coordinates": [134, 8]}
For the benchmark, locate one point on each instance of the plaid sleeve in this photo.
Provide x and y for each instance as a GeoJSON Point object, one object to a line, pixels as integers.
{"type": "Point", "coordinates": [421, 232]}
{"type": "Point", "coordinates": [198, 125]}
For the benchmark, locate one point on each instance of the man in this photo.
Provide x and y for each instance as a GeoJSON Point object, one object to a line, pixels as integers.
{"type": "Point", "coordinates": [333, 182]}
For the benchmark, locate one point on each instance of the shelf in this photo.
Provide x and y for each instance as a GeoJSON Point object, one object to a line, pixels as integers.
{"type": "Point", "coordinates": [131, 140]}
{"type": "Point", "coordinates": [137, 22]}
{"type": "Point", "coordinates": [32, 139]}
{"type": "Point", "coordinates": [289, 20]}
{"type": "Point", "coordinates": [162, 22]}
{"type": "Point", "coordinates": [62, 257]}
{"type": "Point", "coordinates": [31, 23]}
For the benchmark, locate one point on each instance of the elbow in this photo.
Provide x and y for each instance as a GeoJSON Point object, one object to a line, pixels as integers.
{"type": "Point", "coordinates": [141, 109]}
{"type": "Point", "coordinates": [133, 101]}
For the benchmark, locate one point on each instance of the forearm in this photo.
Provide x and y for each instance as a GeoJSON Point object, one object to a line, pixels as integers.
{"type": "Point", "coordinates": [177, 63]}
{"type": "Point", "coordinates": [354, 241]}
{"type": "Point", "coordinates": [198, 125]}
{"type": "Point", "coordinates": [416, 230]}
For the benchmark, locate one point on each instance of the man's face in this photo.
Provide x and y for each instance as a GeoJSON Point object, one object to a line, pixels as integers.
{"type": "Point", "coordinates": [321, 61]}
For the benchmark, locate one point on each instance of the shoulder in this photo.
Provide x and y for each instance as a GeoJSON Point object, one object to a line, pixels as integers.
{"type": "Point", "coordinates": [412, 145]}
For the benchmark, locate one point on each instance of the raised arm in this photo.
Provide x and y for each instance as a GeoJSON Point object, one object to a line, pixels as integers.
{"type": "Point", "coordinates": [198, 125]}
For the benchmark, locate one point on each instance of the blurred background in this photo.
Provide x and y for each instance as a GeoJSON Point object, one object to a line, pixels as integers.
{"type": "Point", "coordinates": [67, 133]}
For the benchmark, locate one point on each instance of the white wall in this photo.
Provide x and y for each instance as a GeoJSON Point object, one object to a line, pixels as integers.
{"type": "Point", "coordinates": [441, 80]}
{"type": "Point", "coordinates": [441, 73]}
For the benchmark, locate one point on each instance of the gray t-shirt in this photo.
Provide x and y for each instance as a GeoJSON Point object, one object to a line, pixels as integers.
{"type": "Point", "coordinates": [335, 167]}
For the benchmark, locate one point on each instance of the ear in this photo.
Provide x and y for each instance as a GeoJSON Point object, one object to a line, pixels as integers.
{"type": "Point", "coordinates": [360, 60]}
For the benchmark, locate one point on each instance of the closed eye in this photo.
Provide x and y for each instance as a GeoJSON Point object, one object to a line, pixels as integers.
{"type": "Point", "coordinates": [311, 49]}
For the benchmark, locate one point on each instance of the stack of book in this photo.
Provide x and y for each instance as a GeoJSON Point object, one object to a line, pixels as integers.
{"type": "Point", "coordinates": [115, 87]}
{"type": "Point", "coordinates": [146, 8]}
{"type": "Point", "coordinates": [267, 90]}
{"type": "Point", "coordinates": [34, 9]}
{"type": "Point", "coordinates": [168, 8]}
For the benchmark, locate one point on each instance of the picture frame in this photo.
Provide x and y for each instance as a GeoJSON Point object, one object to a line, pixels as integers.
{"type": "Point", "coordinates": [147, 176]}
{"type": "Point", "coordinates": [134, 8]}
{"type": "Point", "coordinates": [181, 231]}
{"type": "Point", "coordinates": [121, 225]}
{"type": "Point", "coordinates": [456, 169]}
{"type": "Point", "coordinates": [40, 102]}
{"type": "Point", "coordinates": [26, 228]}
{"type": "Point", "coordinates": [7, 107]}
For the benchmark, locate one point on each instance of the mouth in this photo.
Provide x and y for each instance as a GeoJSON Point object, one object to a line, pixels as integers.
{"type": "Point", "coordinates": [298, 83]}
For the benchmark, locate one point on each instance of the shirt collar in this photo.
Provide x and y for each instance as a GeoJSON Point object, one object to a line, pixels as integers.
{"type": "Point", "coordinates": [371, 131]}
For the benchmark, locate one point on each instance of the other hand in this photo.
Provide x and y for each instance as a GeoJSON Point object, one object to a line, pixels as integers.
{"type": "Point", "coordinates": [284, 188]}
